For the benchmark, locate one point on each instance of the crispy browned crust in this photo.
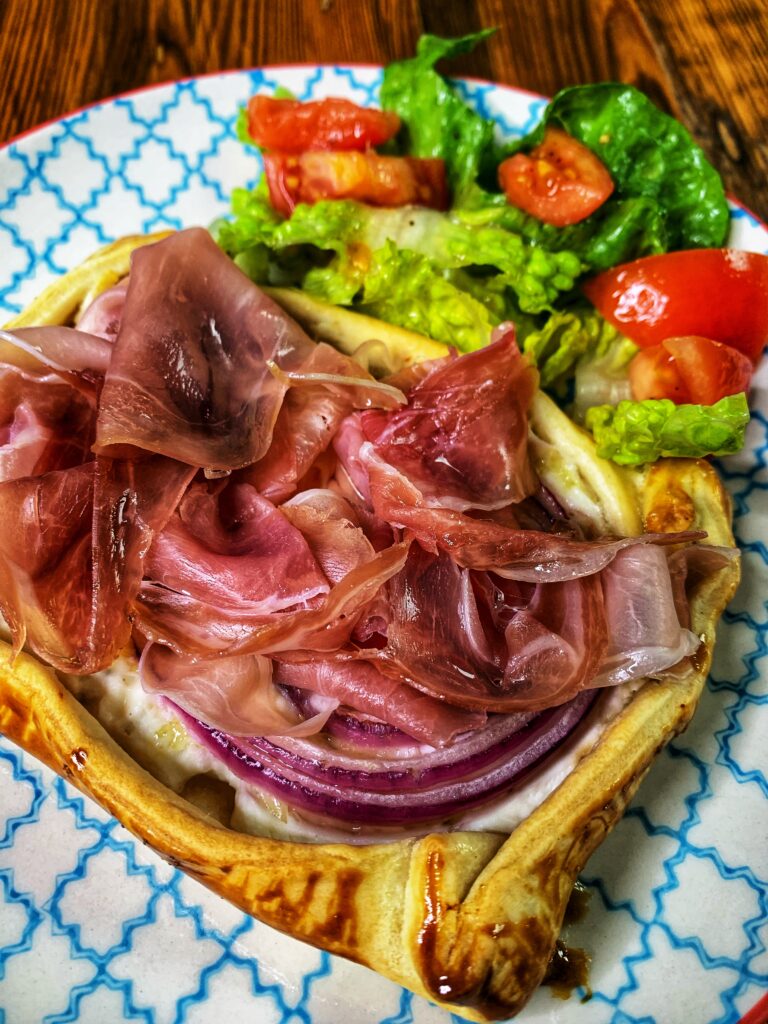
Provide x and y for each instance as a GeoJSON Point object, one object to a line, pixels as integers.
{"type": "Point", "coordinates": [467, 919]}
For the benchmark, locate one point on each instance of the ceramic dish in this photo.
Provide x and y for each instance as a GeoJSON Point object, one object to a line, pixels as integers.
{"type": "Point", "coordinates": [95, 928]}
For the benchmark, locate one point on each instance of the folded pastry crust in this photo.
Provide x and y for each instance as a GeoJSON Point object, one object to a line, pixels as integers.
{"type": "Point", "coordinates": [467, 919]}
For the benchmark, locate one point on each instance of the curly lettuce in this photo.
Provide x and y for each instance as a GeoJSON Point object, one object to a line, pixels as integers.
{"type": "Point", "coordinates": [564, 339]}
{"type": "Point", "coordinates": [619, 231]}
{"type": "Point", "coordinates": [635, 433]}
{"type": "Point", "coordinates": [361, 256]}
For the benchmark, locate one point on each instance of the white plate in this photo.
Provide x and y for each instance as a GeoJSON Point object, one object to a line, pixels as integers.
{"type": "Point", "coordinates": [95, 928]}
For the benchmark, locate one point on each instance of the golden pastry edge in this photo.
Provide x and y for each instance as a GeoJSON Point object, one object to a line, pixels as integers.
{"type": "Point", "coordinates": [466, 919]}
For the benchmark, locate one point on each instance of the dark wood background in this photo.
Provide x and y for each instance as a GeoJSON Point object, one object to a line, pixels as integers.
{"type": "Point", "coordinates": [704, 60]}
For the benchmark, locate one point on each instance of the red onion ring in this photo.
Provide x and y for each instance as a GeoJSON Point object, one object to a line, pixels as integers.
{"type": "Point", "coordinates": [389, 791]}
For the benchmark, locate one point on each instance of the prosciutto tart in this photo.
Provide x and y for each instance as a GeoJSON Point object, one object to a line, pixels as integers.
{"type": "Point", "coordinates": [435, 563]}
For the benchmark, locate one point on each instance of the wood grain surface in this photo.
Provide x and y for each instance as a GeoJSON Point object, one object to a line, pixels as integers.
{"type": "Point", "coordinates": [704, 60]}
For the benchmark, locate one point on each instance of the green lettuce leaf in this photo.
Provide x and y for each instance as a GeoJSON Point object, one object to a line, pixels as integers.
{"type": "Point", "coordinates": [536, 276]}
{"type": "Point", "coordinates": [619, 231]}
{"type": "Point", "coordinates": [436, 122]}
{"type": "Point", "coordinates": [648, 153]}
{"type": "Point", "coordinates": [563, 340]}
{"type": "Point", "coordinates": [328, 247]}
{"type": "Point", "coordinates": [241, 128]}
{"type": "Point", "coordinates": [602, 375]}
{"type": "Point", "coordinates": [405, 288]}
{"type": "Point", "coordinates": [253, 221]}
{"type": "Point", "coordinates": [634, 433]}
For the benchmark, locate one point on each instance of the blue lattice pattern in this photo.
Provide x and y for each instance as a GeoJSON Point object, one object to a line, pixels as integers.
{"type": "Point", "coordinates": [95, 928]}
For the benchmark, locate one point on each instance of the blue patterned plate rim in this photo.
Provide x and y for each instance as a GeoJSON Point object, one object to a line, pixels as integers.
{"type": "Point", "coordinates": [234, 72]}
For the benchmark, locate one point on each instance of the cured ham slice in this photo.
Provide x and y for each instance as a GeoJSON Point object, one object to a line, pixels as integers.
{"type": "Point", "coordinates": [463, 438]}
{"type": "Point", "coordinates": [188, 623]}
{"type": "Point", "coordinates": [23, 443]}
{"type": "Point", "coordinates": [484, 544]}
{"type": "Point", "coordinates": [332, 529]}
{"type": "Point", "coordinates": [235, 694]}
{"type": "Point", "coordinates": [361, 686]}
{"type": "Point", "coordinates": [550, 647]}
{"type": "Point", "coordinates": [482, 642]}
{"type": "Point", "coordinates": [45, 423]}
{"type": "Point", "coordinates": [352, 472]}
{"type": "Point", "coordinates": [321, 395]}
{"type": "Point", "coordinates": [58, 348]}
{"type": "Point", "coordinates": [555, 645]}
{"type": "Point", "coordinates": [190, 375]}
{"type": "Point", "coordinates": [645, 633]}
{"type": "Point", "coordinates": [105, 313]}
{"type": "Point", "coordinates": [71, 555]}
{"type": "Point", "coordinates": [229, 547]}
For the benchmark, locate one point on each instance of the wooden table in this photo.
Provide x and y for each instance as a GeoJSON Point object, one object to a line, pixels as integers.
{"type": "Point", "coordinates": [704, 60]}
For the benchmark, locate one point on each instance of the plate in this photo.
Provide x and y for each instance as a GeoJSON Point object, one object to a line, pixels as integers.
{"type": "Point", "coordinates": [95, 928]}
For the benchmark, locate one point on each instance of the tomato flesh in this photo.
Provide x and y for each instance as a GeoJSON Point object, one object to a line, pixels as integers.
{"type": "Point", "coordinates": [366, 177]}
{"type": "Point", "coordinates": [653, 374]}
{"type": "Point", "coordinates": [291, 126]}
{"type": "Point", "coordinates": [720, 294]}
{"type": "Point", "coordinates": [560, 181]}
{"type": "Point", "coordinates": [689, 369]}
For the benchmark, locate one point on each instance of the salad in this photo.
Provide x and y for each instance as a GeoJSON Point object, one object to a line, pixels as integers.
{"type": "Point", "coordinates": [598, 235]}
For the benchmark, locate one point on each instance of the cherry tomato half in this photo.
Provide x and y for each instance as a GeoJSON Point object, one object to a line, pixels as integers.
{"type": "Point", "coordinates": [689, 369]}
{"type": "Point", "coordinates": [713, 293]}
{"type": "Point", "coordinates": [367, 177]}
{"type": "Point", "coordinates": [560, 181]}
{"type": "Point", "coordinates": [292, 127]}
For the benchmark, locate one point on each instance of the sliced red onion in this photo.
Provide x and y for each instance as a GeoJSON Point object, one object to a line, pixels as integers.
{"type": "Point", "coordinates": [389, 791]}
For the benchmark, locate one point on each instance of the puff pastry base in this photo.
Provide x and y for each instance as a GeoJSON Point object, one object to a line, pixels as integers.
{"type": "Point", "coordinates": [467, 919]}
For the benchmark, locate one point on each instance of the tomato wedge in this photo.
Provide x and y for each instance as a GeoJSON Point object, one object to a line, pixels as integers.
{"type": "Point", "coordinates": [293, 127]}
{"type": "Point", "coordinates": [689, 370]}
{"type": "Point", "coordinates": [653, 374]}
{"type": "Point", "coordinates": [720, 294]}
{"type": "Point", "coordinates": [367, 177]}
{"type": "Point", "coordinates": [560, 181]}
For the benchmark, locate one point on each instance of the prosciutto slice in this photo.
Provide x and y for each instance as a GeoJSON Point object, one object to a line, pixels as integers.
{"type": "Point", "coordinates": [332, 529]}
{"type": "Point", "coordinates": [191, 624]}
{"type": "Point", "coordinates": [71, 555]}
{"type": "Point", "coordinates": [58, 348]}
{"type": "Point", "coordinates": [45, 423]}
{"type": "Point", "coordinates": [361, 686]}
{"type": "Point", "coordinates": [528, 555]}
{"type": "Point", "coordinates": [351, 471]}
{"type": "Point", "coordinates": [190, 374]}
{"type": "Point", "coordinates": [551, 645]}
{"type": "Point", "coordinates": [321, 395]}
{"type": "Point", "coordinates": [555, 644]}
{"type": "Point", "coordinates": [463, 438]}
{"type": "Point", "coordinates": [229, 548]}
{"type": "Point", "coordinates": [235, 694]}
{"type": "Point", "coordinates": [645, 633]}
{"type": "Point", "coordinates": [105, 313]}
